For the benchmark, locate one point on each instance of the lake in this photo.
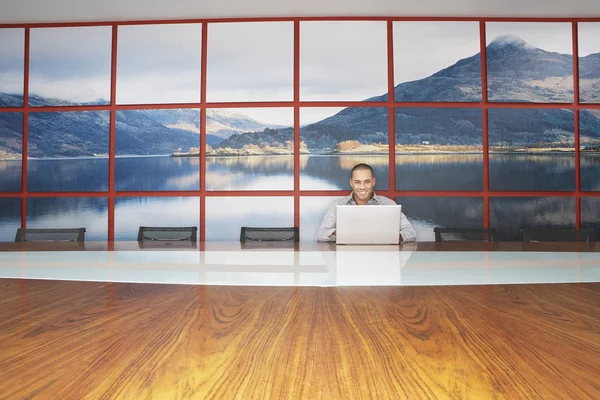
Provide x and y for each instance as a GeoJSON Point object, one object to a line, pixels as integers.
{"type": "Point", "coordinates": [414, 172]}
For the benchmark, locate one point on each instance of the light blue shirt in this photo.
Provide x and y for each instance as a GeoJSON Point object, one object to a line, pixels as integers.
{"type": "Point", "coordinates": [325, 232]}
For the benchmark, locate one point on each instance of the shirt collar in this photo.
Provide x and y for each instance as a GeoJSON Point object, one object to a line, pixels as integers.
{"type": "Point", "coordinates": [372, 200]}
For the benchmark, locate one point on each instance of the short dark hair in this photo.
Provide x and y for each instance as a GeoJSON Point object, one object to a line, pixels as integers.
{"type": "Point", "coordinates": [362, 167]}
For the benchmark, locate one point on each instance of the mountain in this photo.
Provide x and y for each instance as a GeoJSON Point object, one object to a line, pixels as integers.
{"type": "Point", "coordinates": [516, 72]}
{"type": "Point", "coordinates": [224, 123]}
{"type": "Point", "coordinates": [85, 133]}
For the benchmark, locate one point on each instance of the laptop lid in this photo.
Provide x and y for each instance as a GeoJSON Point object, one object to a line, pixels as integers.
{"type": "Point", "coordinates": [370, 224]}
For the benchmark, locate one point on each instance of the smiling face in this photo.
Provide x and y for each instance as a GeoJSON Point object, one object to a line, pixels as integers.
{"type": "Point", "coordinates": [362, 182]}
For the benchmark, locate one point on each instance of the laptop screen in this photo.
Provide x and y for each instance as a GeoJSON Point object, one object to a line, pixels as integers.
{"type": "Point", "coordinates": [375, 224]}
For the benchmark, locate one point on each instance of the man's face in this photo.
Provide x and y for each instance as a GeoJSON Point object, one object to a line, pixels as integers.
{"type": "Point", "coordinates": [362, 182]}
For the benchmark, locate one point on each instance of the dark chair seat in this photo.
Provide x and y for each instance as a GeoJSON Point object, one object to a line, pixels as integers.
{"type": "Point", "coordinates": [50, 235]}
{"type": "Point", "coordinates": [464, 234]}
{"type": "Point", "coordinates": [269, 234]}
{"type": "Point", "coordinates": [557, 235]}
{"type": "Point", "coordinates": [169, 234]}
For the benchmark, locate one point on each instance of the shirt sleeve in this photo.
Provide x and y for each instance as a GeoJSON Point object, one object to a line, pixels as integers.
{"type": "Point", "coordinates": [327, 227]}
{"type": "Point", "coordinates": [406, 230]}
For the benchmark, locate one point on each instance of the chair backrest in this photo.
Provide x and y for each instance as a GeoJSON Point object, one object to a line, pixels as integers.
{"type": "Point", "coordinates": [50, 235]}
{"type": "Point", "coordinates": [558, 235]}
{"type": "Point", "coordinates": [167, 234]}
{"type": "Point", "coordinates": [464, 234]}
{"type": "Point", "coordinates": [269, 234]}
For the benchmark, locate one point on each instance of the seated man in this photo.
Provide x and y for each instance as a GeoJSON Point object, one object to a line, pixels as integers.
{"type": "Point", "coordinates": [362, 181]}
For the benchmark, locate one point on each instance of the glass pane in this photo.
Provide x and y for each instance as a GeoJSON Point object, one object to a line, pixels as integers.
{"type": "Point", "coordinates": [343, 60]}
{"type": "Point", "coordinates": [159, 64]}
{"type": "Point", "coordinates": [157, 150]}
{"type": "Point", "coordinates": [589, 56]}
{"type": "Point", "coordinates": [10, 218]}
{"type": "Point", "coordinates": [438, 149]}
{"type": "Point", "coordinates": [225, 216]}
{"type": "Point", "coordinates": [426, 213]}
{"type": "Point", "coordinates": [590, 217]}
{"type": "Point", "coordinates": [589, 142]}
{"type": "Point", "coordinates": [133, 212]}
{"type": "Point", "coordinates": [334, 141]}
{"type": "Point", "coordinates": [70, 66]}
{"type": "Point", "coordinates": [11, 145]}
{"type": "Point", "coordinates": [55, 212]}
{"type": "Point", "coordinates": [312, 211]}
{"type": "Point", "coordinates": [437, 61]}
{"type": "Point", "coordinates": [250, 61]}
{"type": "Point", "coordinates": [531, 149]}
{"type": "Point", "coordinates": [250, 149]}
{"type": "Point", "coordinates": [511, 214]}
{"type": "Point", "coordinates": [12, 61]}
{"type": "Point", "coordinates": [68, 151]}
{"type": "Point", "coordinates": [530, 62]}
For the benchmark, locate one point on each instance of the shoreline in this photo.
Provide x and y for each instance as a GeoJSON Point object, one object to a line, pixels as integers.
{"type": "Point", "coordinates": [332, 154]}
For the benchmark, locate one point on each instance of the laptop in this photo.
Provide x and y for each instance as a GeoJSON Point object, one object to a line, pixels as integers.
{"type": "Point", "coordinates": [376, 224]}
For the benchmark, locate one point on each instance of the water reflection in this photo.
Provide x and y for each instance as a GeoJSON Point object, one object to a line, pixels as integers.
{"type": "Point", "coordinates": [250, 173]}
{"type": "Point", "coordinates": [10, 170]}
{"type": "Point", "coordinates": [67, 175]}
{"type": "Point", "coordinates": [425, 213]}
{"type": "Point", "coordinates": [439, 172]}
{"type": "Point", "coordinates": [133, 212]}
{"type": "Point", "coordinates": [10, 218]}
{"type": "Point", "coordinates": [551, 172]}
{"type": "Point", "coordinates": [226, 215]}
{"type": "Point", "coordinates": [334, 171]}
{"type": "Point", "coordinates": [54, 212]}
{"type": "Point", "coordinates": [590, 214]}
{"type": "Point", "coordinates": [157, 173]}
{"type": "Point", "coordinates": [590, 175]}
{"type": "Point", "coordinates": [511, 214]}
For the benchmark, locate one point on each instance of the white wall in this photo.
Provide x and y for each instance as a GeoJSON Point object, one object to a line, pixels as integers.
{"type": "Point", "coordinates": [31, 11]}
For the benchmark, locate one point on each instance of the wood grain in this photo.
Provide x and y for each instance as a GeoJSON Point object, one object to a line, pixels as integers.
{"type": "Point", "coordinates": [84, 340]}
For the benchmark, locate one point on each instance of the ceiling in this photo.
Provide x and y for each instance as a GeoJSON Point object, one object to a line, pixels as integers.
{"type": "Point", "coordinates": [40, 11]}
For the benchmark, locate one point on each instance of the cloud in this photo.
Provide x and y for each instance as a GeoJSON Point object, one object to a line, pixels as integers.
{"type": "Point", "coordinates": [342, 60]}
{"type": "Point", "coordinates": [548, 36]}
{"type": "Point", "coordinates": [250, 61]}
{"type": "Point", "coordinates": [71, 63]}
{"type": "Point", "coordinates": [159, 63]}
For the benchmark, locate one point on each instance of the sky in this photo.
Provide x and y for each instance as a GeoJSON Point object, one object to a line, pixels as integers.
{"type": "Point", "coordinates": [12, 49]}
{"type": "Point", "coordinates": [424, 48]}
{"type": "Point", "coordinates": [339, 60]}
{"type": "Point", "coordinates": [159, 63]}
{"type": "Point", "coordinates": [251, 61]}
{"type": "Point", "coordinates": [343, 60]}
{"type": "Point", "coordinates": [588, 34]}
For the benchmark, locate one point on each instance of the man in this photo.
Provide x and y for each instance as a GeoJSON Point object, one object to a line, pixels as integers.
{"type": "Point", "coordinates": [362, 181]}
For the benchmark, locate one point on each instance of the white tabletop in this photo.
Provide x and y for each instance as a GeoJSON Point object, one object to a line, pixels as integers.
{"type": "Point", "coordinates": [305, 264]}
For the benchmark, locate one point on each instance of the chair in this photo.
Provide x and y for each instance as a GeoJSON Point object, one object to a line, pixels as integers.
{"type": "Point", "coordinates": [464, 234]}
{"type": "Point", "coordinates": [167, 234]}
{"type": "Point", "coordinates": [50, 235]}
{"type": "Point", "coordinates": [557, 235]}
{"type": "Point", "coordinates": [269, 234]}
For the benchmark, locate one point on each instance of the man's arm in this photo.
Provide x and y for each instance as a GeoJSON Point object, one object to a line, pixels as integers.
{"type": "Point", "coordinates": [406, 230]}
{"type": "Point", "coordinates": [326, 232]}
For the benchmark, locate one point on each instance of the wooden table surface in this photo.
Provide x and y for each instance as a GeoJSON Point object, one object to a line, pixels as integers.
{"type": "Point", "coordinates": [92, 340]}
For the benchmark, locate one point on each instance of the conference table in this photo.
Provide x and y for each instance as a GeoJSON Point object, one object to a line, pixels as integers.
{"type": "Point", "coordinates": [304, 263]}
{"type": "Point", "coordinates": [299, 320]}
